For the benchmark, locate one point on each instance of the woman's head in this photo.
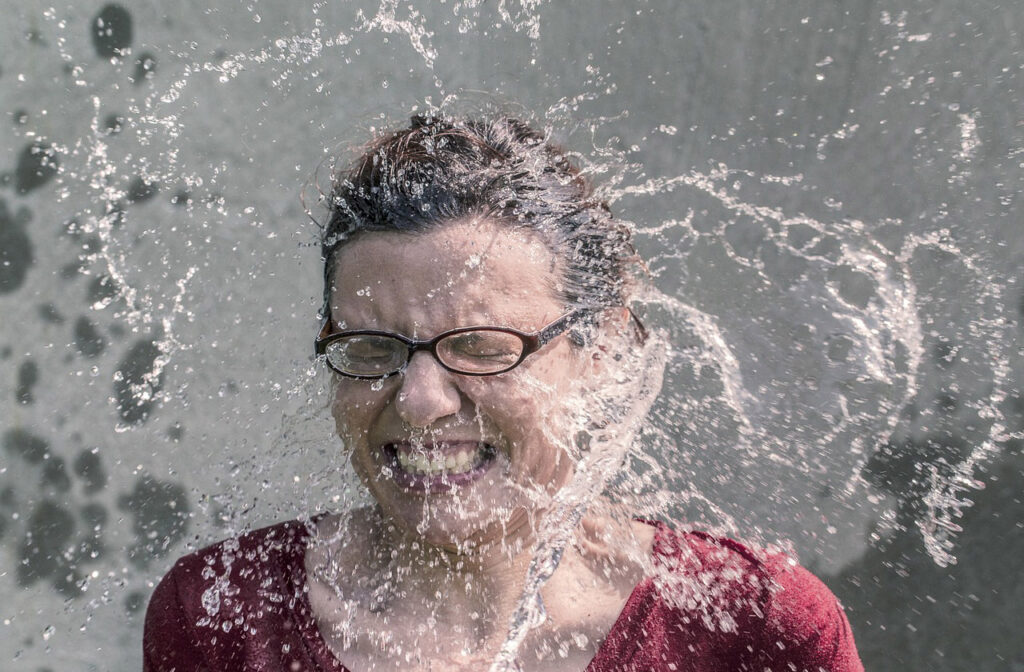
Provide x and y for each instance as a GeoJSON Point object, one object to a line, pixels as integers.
{"type": "Point", "coordinates": [452, 224]}
{"type": "Point", "coordinates": [439, 170]}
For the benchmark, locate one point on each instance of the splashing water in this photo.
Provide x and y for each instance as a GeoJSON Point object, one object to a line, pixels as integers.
{"type": "Point", "coordinates": [823, 326]}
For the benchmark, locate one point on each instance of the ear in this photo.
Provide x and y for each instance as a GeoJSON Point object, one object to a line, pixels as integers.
{"type": "Point", "coordinates": [624, 365]}
{"type": "Point", "coordinates": [612, 340]}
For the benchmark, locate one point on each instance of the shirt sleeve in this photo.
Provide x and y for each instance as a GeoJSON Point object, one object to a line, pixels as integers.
{"type": "Point", "coordinates": [168, 641]}
{"type": "Point", "coordinates": [805, 628]}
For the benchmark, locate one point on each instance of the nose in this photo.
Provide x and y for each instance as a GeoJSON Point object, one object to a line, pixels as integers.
{"type": "Point", "coordinates": [427, 392]}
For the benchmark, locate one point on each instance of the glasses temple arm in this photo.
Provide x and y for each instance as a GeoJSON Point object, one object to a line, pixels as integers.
{"type": "Point", "coordinates": [641, 330]}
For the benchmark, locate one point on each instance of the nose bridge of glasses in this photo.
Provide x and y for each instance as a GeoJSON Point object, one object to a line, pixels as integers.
{"type": "Point", "coordinates": [428, 348]}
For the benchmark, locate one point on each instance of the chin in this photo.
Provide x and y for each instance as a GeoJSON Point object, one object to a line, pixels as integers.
{"type": "Point", "coordinates": [466, 522]}
{"type": "Point", "coordinates": [448, 526]}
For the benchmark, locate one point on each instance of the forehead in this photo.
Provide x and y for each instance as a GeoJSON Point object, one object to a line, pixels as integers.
{"type": "Point", "coordinates": [463, 272]}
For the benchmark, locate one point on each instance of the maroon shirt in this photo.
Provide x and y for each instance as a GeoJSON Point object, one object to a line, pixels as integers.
{"type": "Point", "coordinates": [714, 606]}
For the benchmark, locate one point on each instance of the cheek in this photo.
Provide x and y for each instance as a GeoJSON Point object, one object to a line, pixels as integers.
{"type": "Point", "coordinates": [353, 410]}
{"type": "Point", "coordinates": [531, 404]}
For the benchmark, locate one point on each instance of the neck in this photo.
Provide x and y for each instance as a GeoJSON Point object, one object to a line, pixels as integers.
{"type": "Point", "coordinates": [378, 589]}
{"type": "Point", "coordinates": [475, 589]}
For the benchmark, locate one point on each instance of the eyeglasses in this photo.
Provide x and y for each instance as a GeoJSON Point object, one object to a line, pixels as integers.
{"type": "Point", "coordinates": [470, 351]}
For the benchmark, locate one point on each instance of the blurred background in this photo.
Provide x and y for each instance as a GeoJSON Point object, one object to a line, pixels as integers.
{"type": "Point", "coordinates": [825, 193]}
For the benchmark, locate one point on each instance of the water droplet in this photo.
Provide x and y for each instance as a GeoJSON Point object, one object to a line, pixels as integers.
{"type": "Point", "coordinates": [211, 600]}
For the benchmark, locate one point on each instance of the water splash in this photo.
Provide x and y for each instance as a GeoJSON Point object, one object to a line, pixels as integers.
{"type": "Point", "coordinates": [865, 298]}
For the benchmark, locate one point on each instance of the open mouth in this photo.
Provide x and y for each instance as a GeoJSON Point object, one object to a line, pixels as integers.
{"type": "Point", "coordinates": [438, 466]}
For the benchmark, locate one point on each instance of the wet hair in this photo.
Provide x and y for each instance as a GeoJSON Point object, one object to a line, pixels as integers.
{"type": "Point", "coordinates": [439, 169]}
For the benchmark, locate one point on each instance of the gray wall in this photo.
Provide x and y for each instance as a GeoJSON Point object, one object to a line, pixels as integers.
{"type": "Point", "coordinates": [825, 191]}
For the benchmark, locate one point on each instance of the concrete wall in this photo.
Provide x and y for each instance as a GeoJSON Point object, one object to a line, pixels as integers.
{"type": "Point", "coordinates": [830, 186]}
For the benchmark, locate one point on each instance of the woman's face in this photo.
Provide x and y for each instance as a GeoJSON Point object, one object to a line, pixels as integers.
{"type": "Point", "coordinates": [457, 459]}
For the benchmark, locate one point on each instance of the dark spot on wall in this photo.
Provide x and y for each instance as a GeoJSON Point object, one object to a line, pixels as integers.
{"type": "Point", "coordinates": [28, 376]}
{"type": "Point", "coordinates": [140, 191]}
{"type": "Point", "coordinates": [1015, 399]}
{"type": "Point", "coordinates": [94, 515]}
{"type": "Point", "coordinates": [48, 534]}
{"type": "Point", "coordinates": [20, 117]}
{"type": "Point", "coordinates": [7, 498]}
{"type": "Point", "coordinates": [15, 248]}
{"type": "Point", "coordinates": [944, 353]}
{"type": "Point", "coordinates": [161, 511]}
{"type": "Point", "coordinates": [947, 402]}
{"type": "Point", "coordinates": [55, 477]}
{"type": "Point", "coordinates": [37, 164]}
{"type": "Point", "coordinates": [839, 347]}
{"type": "Point", "coordinates": [903, 468]}
{"type": "Point", "coordinates": [94, 518]}
{"type": "Point", "coordinates": [113, 124]}
{"type": "Point", "coordinates": [5, 352]}
{"type": "Point", "coordinates": [134, 602]}
{"type": "Point", "coordinates": [101, 290]}
{"type": "Point", "coordinates": [25, 445]}
{"type": "Point", "coordinates": [92, 244]}
{"type": "Point", "coordinates": [72, 229]}
{"type": "Point", "coordinates": [88, 340]}
{"type": "Point", "coordinates": [854, 287]}
{"type": "Point", "coordinates": [134, 386]}
{"type": "Point", "coordinates": [112, 31]}
{"type": "Point", "coordinates": [89, 467]}
{"type": "Point", "coordinates": [72, 269]}
{"type": "Point", "coordinates": [145, 66]}
{"type": "Point", "coordinates": [175, 432]}
{"type": "Point", "coordinates": [49, 313]}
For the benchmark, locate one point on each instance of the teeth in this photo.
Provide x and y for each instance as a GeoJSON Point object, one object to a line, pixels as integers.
{"type": "Point", "coordinates": [434, 464]}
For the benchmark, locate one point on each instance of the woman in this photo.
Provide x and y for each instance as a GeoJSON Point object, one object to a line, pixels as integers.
{"type": "Point", "coordinates": [489, 380]}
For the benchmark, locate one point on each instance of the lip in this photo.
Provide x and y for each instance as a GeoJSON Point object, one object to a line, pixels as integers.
{"type": "Point", "coordinates": [442, 483]}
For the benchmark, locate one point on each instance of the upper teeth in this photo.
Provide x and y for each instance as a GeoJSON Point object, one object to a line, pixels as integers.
{"type": "Point", "coordinates": [434, 463]}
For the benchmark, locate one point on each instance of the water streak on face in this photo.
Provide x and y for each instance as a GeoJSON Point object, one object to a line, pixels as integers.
{"type": "Point", "coordinates": [457, 459]}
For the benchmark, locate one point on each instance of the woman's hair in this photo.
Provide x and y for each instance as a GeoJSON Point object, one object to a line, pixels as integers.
{"type": "Point", "coordinates": [440, 169]}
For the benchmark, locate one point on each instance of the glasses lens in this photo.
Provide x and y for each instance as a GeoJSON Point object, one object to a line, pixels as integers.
{"type": "Point", "coordinates": [367, 355]}
{"type": "Point", "coordinates": [480, 351]}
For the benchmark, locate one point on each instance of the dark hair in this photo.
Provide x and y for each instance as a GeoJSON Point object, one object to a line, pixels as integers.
{"type": "Point", "coordinates": [439, 169]}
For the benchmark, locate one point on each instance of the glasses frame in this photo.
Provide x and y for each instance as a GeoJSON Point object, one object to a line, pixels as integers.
{"type": "Point", "coordinates": [532, 342]}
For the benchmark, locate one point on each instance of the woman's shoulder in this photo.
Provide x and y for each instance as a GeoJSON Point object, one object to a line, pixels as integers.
{"type": "Point", "coordinates": [235, 604]}
{"type": "Point", "coordinates": [257, 566]}
{"type": "Point", "coordinates": [760, 599]}
{"type": "Point", "coordinates": [756, 570]}
{"type": "Point", "coordinates": [242, 554]}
